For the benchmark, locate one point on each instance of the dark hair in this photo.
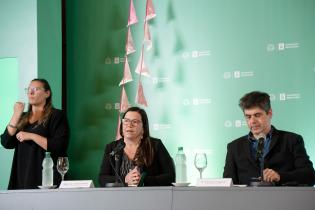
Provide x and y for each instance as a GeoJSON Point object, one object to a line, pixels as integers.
{"type": "Point", "coordinates": [144, 154]}
{"type": "Point", "coordinates": [255, 99]}
{"type": "Point", "coordinates": [47, 108]}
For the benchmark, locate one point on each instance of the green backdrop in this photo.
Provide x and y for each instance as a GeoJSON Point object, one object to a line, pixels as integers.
{"type": "Point", "coordinates": [30, 47]}
{"type": "Point", "coordinates": [8, 95]}
{"type": "Point", "coordinates": [206, 54]}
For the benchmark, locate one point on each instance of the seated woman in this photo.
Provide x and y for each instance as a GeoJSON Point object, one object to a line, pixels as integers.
{"type": "Point", "coordinates": [42, 128]}
{"type": "Point", "coordinates": [144, 161]}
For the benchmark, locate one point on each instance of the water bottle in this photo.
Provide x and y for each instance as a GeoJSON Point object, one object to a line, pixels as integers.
{"type": "Point", "coordinates": [180, 166]}
{"type": "Point", "coordinates": [47, 172]}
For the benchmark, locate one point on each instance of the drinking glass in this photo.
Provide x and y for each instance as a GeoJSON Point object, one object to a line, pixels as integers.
{"type": "Point", "coordinates": [201, 162]}
{"type": "Point", "coordinates": [62, 166]}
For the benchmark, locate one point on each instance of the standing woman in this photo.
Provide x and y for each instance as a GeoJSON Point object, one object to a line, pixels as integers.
{"type": "Point", "coordinates": [144, 161]}
{"type": "Point", "coordinates": [42, 128]}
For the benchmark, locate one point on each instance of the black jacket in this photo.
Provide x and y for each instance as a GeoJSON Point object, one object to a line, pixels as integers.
{"type": "Point", "coordinates": [26, 171]}
{"type": "Point", "coordinates": [287, 156]}
{"type": "Point", "coordinates": [160, 173]}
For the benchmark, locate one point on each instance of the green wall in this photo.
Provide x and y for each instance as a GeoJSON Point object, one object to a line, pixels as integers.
{"type": "Point", "coordinates": [8, 95]}
{"type": "Point", "coordinates": [206, 54]}
{"type": "Point", "coordinates": [49, 46]}
{"type": "Point", "coordinates": [30, 47]}
{"type": "Point", "coordinates": [18, 64]}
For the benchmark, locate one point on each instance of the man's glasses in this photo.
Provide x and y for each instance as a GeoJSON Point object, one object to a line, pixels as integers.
{"type": "Point", "coordinates": [33, 89]}
{"type": "Point", "coordinates": [134, 122]}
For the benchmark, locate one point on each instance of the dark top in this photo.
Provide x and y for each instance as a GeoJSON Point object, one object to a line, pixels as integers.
{"type": "Point", "coordinates": [26, 171]}
{"type": "Point", "coordinates": [287, 156]}
{"type": "Point", "coordinates": [160, 173]}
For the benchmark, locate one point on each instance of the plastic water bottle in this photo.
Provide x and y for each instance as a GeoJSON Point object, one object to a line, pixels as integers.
{"type": "Point", "coordinates": [180, 166]}
{"type": "Point", "coordinates": [47, 172]}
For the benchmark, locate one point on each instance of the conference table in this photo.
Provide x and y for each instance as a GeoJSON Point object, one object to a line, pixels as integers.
{"type": "Point", "coordinates": [161, 198]}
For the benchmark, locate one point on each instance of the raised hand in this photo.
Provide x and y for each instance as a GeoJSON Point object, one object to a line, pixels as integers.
{"type": "Point", "coordinates": [18, 108]}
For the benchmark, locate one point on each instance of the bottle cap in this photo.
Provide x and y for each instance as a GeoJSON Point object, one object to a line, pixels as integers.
{"type": "Point", "coordinates": [180, 148]}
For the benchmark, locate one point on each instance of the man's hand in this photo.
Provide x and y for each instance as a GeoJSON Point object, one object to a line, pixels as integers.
{"type": "Point", "coordinates": [271, 175]}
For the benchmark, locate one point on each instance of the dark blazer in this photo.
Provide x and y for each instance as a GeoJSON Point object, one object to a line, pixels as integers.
{"type": "Point", "coordinates": [287, 156]}
{"type": "Point", "coordinates": [160, 173]}
{"type": "Point", "coordinates": [26, 171]}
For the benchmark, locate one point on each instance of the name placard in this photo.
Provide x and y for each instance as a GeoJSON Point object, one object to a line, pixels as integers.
{"type": "Point", "coordinates": [76, 184]}
{"type": "Point", "coordinates": [225, 182]}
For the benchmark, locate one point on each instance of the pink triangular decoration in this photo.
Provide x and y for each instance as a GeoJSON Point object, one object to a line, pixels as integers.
{"type": "Point", "coordinates": [147, 36]}
{"type": "Point", "coordinates": [118, 136]}
{"type": "Point", "coordinates": [127, 74]}
{"type": "Point", "coordinates": [140, 98]}
{"type": "Point", "coordinates": [132, 14]}
{"type": "Point", "coordinates": [130, 47]}
{"type": "Point", "coordinates": [124, 103]}
{"type": "Point", "coordinates": [150, 13]}
{"type": "Point", "coordinates": [141, 67]}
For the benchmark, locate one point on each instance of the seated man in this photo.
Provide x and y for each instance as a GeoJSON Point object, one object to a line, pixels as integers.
{"type": "Point", "coordinates": [284, 156]}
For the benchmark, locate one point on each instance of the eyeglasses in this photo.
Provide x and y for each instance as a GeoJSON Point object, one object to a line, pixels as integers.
{"type": "Point", "coordinates": [33, 89]}
{"type": "Point", "coordinates": [134, 122]}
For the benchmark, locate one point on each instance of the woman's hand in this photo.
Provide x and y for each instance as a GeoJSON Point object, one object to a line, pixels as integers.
{"type": "Point", "coordinates": [17, 113]}
{"type": "Point", "coordinates": [18, 108]}
{"type": "Point", "coordinates": [133, 177]}
{"type": "Point", "coordinates": [23, 136]}
{"type": "Point", "coordinates": [38, 139]}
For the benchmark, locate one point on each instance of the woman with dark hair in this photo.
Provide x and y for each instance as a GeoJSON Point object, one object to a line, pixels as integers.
{"type": "Point", "coordinates": [42, 128]}
{"type": "Point", "coordinates": [144, 161]}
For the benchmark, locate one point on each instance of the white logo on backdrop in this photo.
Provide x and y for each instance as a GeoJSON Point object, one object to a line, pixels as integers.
{"type": "Point", "coordinates": [196, 101]}
{"type": "Point", "coordinates": [228, 123]}
{"type": "Point", "coordinates": [117, 106]}
{"type": "Point", "coordinates": [110, 106]}
{"type": "Point", "coordinates": [281, 46]}
{"type": "Point", "coordinates": [272, 97]}
{"type": "Point", "coordinates": [115, 60]}
{"type": "Point", "coordinates": [158, 126]}
{"type": "Point", "coordinates": [284, 96]}
{"type": "Point", "coordinates": [289, 96]}
{"type": "Point", "coordinates": [186, 102]}
{"type": "Point", "coordinates": [237, 74]}
{"type": "Point", "coordinates": [235, 123]}
{"type": "Point", "coordinates": [108, 60]}
{"type": "Point", "coordinates": [227, 75]}
{"type": "Point", "coordinates": [271, 47]}
{"type": "Point", "coordinates": [196, 53]}
{"type": "Point", "coordinates": [157, 80]}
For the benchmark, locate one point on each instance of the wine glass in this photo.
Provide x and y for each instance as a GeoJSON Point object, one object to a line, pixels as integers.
{"type": "Point", "coordinates": [201, 162]}
{"type": "Point", "coordinates": [62, 166]}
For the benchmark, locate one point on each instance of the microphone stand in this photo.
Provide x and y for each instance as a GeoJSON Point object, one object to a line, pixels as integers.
{"type": "Point", "coordinates": [260, 158]}
{"type": "Point", "coordinates": [118, 181]}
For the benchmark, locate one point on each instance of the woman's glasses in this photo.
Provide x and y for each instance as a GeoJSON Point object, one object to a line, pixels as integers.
{"type": "Point", "coordinates": [134, 122]}
{"type": "Point", "coordinates": [33, 89]}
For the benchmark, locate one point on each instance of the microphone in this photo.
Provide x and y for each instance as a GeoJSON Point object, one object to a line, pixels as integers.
{"type": "Point", "coordinates": [121, 145]}
{"type": "Point", "coordinates": [260, 161]}
{"type": "Point", "coordinates": [260, 155]}
{"type": "Point", "coordinates": [260, 148]}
